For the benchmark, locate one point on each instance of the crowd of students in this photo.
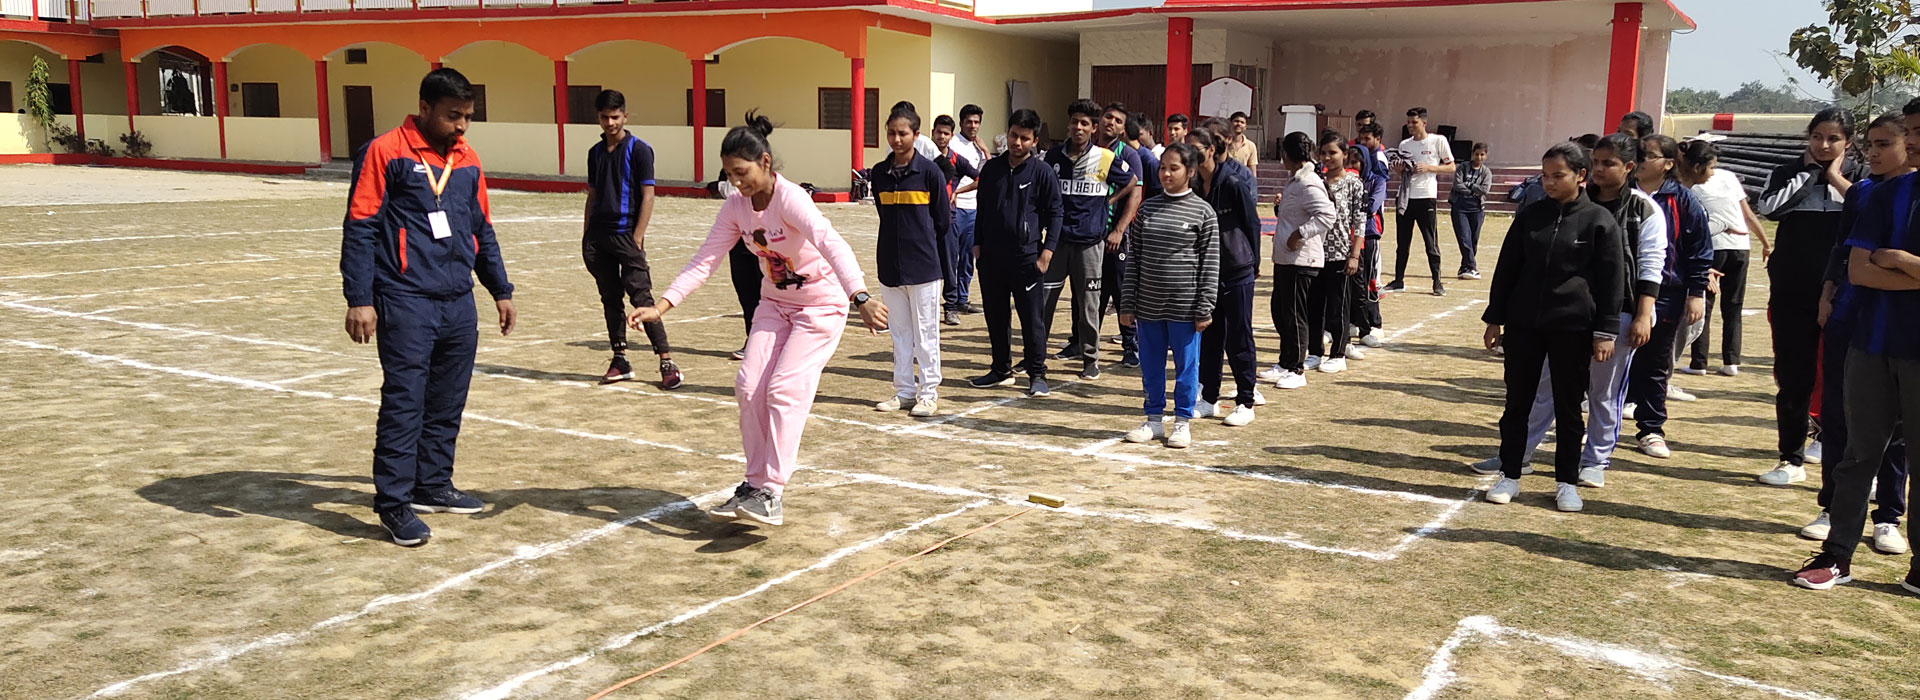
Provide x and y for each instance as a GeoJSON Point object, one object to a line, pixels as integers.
{"type": "Point", "coordinates": [1602, 285]}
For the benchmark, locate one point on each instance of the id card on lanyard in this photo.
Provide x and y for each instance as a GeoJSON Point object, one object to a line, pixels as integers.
{"type": "Point", "coordinates": [438, 217]}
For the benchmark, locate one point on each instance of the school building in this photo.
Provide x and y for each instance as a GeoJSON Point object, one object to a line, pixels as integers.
{"type": "Point", "coordinates": [283, 85]}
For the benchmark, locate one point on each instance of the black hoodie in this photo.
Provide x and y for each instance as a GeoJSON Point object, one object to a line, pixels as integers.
{"type": "Point", "coordinates": [1561, 268]}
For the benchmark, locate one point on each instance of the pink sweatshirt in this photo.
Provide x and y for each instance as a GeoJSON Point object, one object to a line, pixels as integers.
{"type": "Point", "coordinates": [804, 262]}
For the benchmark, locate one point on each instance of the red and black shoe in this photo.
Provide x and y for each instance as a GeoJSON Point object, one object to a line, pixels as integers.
{"type": "Point", "coordinates": [617, 371]}
{"type": "Point", "coordinates": [670, 377]}
{"type": "Point", "coordinates": [1822, 572]}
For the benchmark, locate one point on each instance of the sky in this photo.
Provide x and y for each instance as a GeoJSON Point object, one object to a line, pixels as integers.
{"type": "Point", "coordinates": [1737, 42]}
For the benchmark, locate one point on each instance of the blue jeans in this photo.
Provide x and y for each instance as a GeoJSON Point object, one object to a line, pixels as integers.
{"type": "Point", "coordinates": [960, 252]}
{"type": "Point", "coordinates": [1156, 339]}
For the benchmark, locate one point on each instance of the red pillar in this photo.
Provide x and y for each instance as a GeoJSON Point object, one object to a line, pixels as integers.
{"type": "Point", "coordinates": [699, 98]}
{"type": "Point", "coordinates": [220, 102]}
{"type": "Point", "coordinates": [79, 113]}
{"type": "Point", "coordinates": [1179, 67]}
{"type": "Point", "coordinates": [325, 110]}
{"type": "Point", "coordinates": [1623, 65]}
{"type": "Point", "coordinates": [560, 109]}
{"type": "Point", "coordinates": [133, 92]}
{"type": "Point", "coordinates": [436, 65]}
{"type": "Point", "coordinates": [858, 96]}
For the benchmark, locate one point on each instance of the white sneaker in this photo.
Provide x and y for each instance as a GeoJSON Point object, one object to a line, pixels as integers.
{"type": "Point", "coordinates": [1271, 373]}
{"type": "Point", "coordinates": [1503, 492]}
{"type": "Point", "coordinates": [891, 404]}
{"type": "Point", "coordinates": [1675, 393]}
{"type": "Point", "coordinates": [1147, 432]}
{"type": "Point", "coordinates": [1334, 366]}
{"type": "Point", "coordinates": [1654, 445]}
{"type": "Point", "coordinates": [1355, 352]}
{"type": "Point", "coordinates": [1783, 474]}
{"type": "Point", "coordinates": [1814, 454]}
{"type": "Point", "coordinates": [1313, 362]}
{"type": "Point", "coordinates": [1593, 477]}
{"type": "Point", "coordinates": [1373, 339]}
{"type": "Point", "coordinates": [1730, 370]}
{"type": "Point", "coordinates": [1240, 416]}
{"type": "Point", "coordinates": [924, 408]}
{"type": "Point", "coordinates": [1179, 438]}
{"type": "Point", "coordinates": [1819, 528]}
{"type": "Point", "coordinates": [1259, 400]}
{"type": "Point", "coordinates": [1353, 330]}
{"type": "Point", "coordinates": [1203, 409]}
{"type": "Point", "coordinates": [1627, 412]}
{"type": "Point", "coordinates": [1691, 371]}
{"type": "Point", "coordinates": [1873, 491]}
{"type": "Point", "coordinates": [1289, 380]}
{"type": "Point", "coordinates": [1567, 498]}
{"type": "Point", "coordinates": [1888, 540]}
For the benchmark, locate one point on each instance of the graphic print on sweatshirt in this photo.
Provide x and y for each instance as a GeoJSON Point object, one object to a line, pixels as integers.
{"type": "Point", "coordinates": [778, 267]}
{"type": "Point", "coordinates": [1086, 181]}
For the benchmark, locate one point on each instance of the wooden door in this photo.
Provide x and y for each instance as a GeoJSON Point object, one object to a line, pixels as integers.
{"type": "Point", "coordinates": [358, 103]}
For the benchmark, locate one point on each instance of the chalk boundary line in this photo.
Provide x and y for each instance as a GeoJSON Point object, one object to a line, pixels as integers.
{"type": "Point", "coordinates": [1439, 674]}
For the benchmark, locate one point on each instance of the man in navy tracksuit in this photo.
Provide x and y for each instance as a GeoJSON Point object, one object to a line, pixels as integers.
{"type": "Point", "coordinates": [416, 232]}
{"type": "Point", "coordinates": [1017, 232]}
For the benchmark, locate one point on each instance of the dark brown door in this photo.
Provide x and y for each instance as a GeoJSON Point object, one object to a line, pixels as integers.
{"type": "Point", "coordinates": [580, 104]}
{"type": "Point", "coordinates": [358, 101]}
{"type": "Point", "coordinates": [1143, 89]}
{"type": "Point", "coordinates": [716, 107]}
{"type": "Point", "coordinates": [260, 99]}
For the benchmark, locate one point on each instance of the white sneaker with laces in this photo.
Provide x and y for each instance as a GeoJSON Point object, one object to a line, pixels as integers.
{"type": "Point", "coordinates": [1334, 365]}
{"type": "Point", "coordinates": [893, 403]}
{"type": "Point", "coordinates": [1730, 370]}
{"type": "Point", "coordinates": [1888, 540]}
{"type": "Point", "coordinates": [1147, 432]}
{"type": "Point", "coordinates": [1259, 400]}
{"type": "Point", "coordinates": [1180, 437]}
{"type": "Point", "coordinates": [1567, 498]}
{"type": "Point", "coordinates": [1240, 416]}
{"type": "Point", "coordinates": [1203, 409]}
{"type": "Point", "coordinates": [924, 408]}
{"type": "Point", "coordinates": [1503, 492]}
{"type": "Point", "coordinates": [1784, 473]}
{"type": "Point", "coordinates": [1691, 371]}
{"type": "Point", "coordinates": [1271, 373]}
{"type": "Point", "coordinates": [1289, 380]}
{"type": "Point", "coordinates": [1627, 412]}
{"type": "Point", "coordinates": [1313, 362]}
{"type": "Point", "coordinates": [1814, 453]}
{"type": "Point", "coordinates": [1356, 352]}
{"type": "Point", "coordinates": [1675, 393]}
{"type": "Point", "coordinates": [1593, 477]}
{"type": "Point", "coordinates": [1819, 528]}
{"type": "Point", "coordinates": [1373, 339]}
{"type": "Point", "coordinates": [1655, 445]}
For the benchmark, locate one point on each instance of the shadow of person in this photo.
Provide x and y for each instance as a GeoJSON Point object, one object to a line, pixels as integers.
{"type": "Point", "coordinates": [541, 375]}
{"type": "Point", "coordinates": [659, 512]}
{"type": "Point", "coordinates": [283, 495]}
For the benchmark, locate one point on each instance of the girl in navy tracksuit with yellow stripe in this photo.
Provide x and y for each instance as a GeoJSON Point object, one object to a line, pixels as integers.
{"type": "Point", "coordinates": [911, 194]}
{"type": "Point", "coordinates": [417, 231]}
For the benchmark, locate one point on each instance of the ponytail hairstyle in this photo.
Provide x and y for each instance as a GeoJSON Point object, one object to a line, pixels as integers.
{"type": "Point", "coordinates": [1298, 147]}
{"type": "Point", "coordinates": [1573, 154]}
{"type": "Point", "coordinates": [1696, 157]}
{"type": "Point", "coordinates": [749, 141]}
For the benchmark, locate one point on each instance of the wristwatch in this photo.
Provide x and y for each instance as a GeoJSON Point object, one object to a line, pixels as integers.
{"type": "Point", "coordinates": [860, 298]}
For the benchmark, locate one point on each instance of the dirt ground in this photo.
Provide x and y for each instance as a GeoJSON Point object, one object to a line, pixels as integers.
{"type": "Point", "coordinates": [186, 501]}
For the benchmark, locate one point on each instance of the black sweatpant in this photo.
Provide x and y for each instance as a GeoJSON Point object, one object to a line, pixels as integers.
{"type": "Point", "coordinates": [1112, 275]}
{"type": "Point", "coordinates": [1327, 310]}
{"type": "Point", "coordinates": [1651, 371]}
{"type": "Point", "coordinates": [1015, 284]}
{"type": "Point", "coordinates": [745, 267]}
{"type": "Point", "coordinates": [619, 269]}
{"type": "Point", "coordinates": [1230, 337]}
{"type": "Point", "coordinates": [1424, 213]}
{"type": "Point", "coordinates": [1883, 397]}
{"type": "Point", "coordinates": [1835, 436]}
{"type": "Point", "coordinates": [1733, 299]}
{"type": "Point", "coordinates": [1796, 370]}
{"type": "Point", "coordinates": [1292, 285]}
{"type": "Point", "coordinates": [1568, 355]}
{"type": "Point", "coordinates": [1364, 298]}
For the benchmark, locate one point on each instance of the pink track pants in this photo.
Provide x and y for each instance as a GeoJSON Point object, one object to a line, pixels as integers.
{"type": "Point", "coordinates": [788, 348]}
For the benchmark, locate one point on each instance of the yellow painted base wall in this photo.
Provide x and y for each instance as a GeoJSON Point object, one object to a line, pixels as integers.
{"type": "Point", "coordinates": [19, 135]}
{"type": "Point", "coordinates": [289, 69]}
{"type": "Point", "coordinates": [819, 156]}
{"type": "Point", "coordinates": [981, 63]}
{"type": "Point", "coordinates": [108, 128]}
{"type": "Point", "coordinates": [394, 74]}
{"type": "Point", "coordinates": [181, 137]}
{"type": "Point", "coordinates": [1682, 126]}
{"type": "Point", "coordinates": [672, 149]}
{"type": "Point", "coordinates": [282, 140]}
{"type": "Point", "coordinates": [519, 82]}
{"type": "Point", "coordinates": [522, 149]}
{"type": "Point", "coordinates": [654, 78]}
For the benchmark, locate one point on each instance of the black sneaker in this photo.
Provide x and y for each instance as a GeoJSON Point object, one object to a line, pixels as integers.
{"type": "Point", "coordinates": [760, 506]}
{"type": "Point", "coordinates": [405, 528]}
{"type": "Point", "coordinates": [617, 371]}
{"type": "Point", "coordinates": [1439, 290]}
{"type": "Point", "coordinates": [450, 500]}
{"type": "Point", "coordinates": [1067, 353]}
{"type": "Point", "coordinates": [1090, 372]}
{"type": "Point", "coordinates": [970, 309]}
{"type": "Point", "coordinates": [1394, 286]}
{"type": "Point", "coordinates": [670, 377]}
{"type": "Point", "coordinates": [1912, 581]}
{"type": "Point", "coordinates": [730, 511]}
{"type": "Point", "coordinates": [1038, 387]}
{"type": "Point", "coordinates": [1130, 359]}
{"type": "Point", "coordinates": [950, 317]}
{"type": "Point", "coordinates": [991, 379]}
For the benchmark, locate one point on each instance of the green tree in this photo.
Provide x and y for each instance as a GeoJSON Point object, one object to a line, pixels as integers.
{"type": "Point", "coordinates": [1753, 97]}
{"type": "Point", "coordinates": [39, 96]}
{"type": "Point", "coordinates": [1865, 47]}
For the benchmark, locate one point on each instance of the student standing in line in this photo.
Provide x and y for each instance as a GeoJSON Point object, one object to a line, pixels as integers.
{"type": "Point", "coordinates": [1468, 203]}
{"type": "Point", "coordinates": [961, 173]}
{"type": "Point", "coordinates": [1636, 125]}
{"type": "Point", "coordinates": [1733, 226]}
{"type": "Point", "coordinates": [1176, 133]}
{"type": "Point", "coordinates": [1555, 303]}
{"type": "Point", "coordinates": [1366, 285]}
{"type": "Point", "coordinates": [1170, 293]}
{"type": "Point", "coordinates": [1683, 287]}
{"type": "Point", "coordinates": [1018, 231]}
{"type": "Point", "coordinates": [1610, 185]}
{"type": "Point", "coordinates": [1805, 197]}
{"type": "Point", "coordinates": [1148, 143]}
{"type": "Point", "coordinates": [1119, 131]}
{"type": "Point", "coordinates": [810, 275]}
{"type": "Point", "coordinates": [911, 195]}
{"type": "Point", "coordinates": [1094, 183]}
{"type": "Point", "coordinates": [1327, 300]}
{"type": "Point", "coordinates": [1890, 157]}
{"type": "Point", "coordinates": [1234, 195]}
{"type": "Point", "coordinates": [1242, 148]}
{"type": "Point", "coordinates": [418, 230]}
{"type": "Point", "coordinates": [1305, 215]}
{"type": "Point", "coordinates": [1883, 364]}
{"type": "Point", "coordinates": [922, 144]}
{"type": "Point", "coordinates": [619, 206]}
{"type": "Point", "coordinates": [1428, 155]}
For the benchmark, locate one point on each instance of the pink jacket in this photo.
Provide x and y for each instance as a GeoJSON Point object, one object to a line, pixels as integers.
{"type": "Point", "coordinates": [803, 261]}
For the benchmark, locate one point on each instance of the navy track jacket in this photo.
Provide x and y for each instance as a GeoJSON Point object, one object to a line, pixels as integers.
{"type": "Point", "coordinates": [387, 246]}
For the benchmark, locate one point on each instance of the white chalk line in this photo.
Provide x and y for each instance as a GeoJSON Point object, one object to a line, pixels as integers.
{"type": "Point", "coordinates": [507, 688]}
{"type": "Point", "coordinates": [96, 271]}
{"type": "Point", "coordinates": [315, 375]}
{"type": "Point", "coordinates": [1439, 673]}
{"type": "Point", "coordinates": [176, 330]}
{"type": "Point", "coordinates": [1449, 312]}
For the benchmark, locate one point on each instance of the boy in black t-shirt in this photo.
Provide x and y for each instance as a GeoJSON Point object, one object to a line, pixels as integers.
{"type": "Point", "coordinates": [619, 205]}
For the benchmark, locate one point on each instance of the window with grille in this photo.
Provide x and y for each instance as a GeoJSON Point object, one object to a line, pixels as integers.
{"type": "Point", "coordinates": [836, 112]}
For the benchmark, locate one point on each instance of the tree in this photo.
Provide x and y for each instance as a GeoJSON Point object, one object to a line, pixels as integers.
{"type": "Point", "coordinates": [39, 96]}
{"type": "Point", "coordinates": [1865, 47]}
{"type": "Point", "coordinates": [1752, 97]}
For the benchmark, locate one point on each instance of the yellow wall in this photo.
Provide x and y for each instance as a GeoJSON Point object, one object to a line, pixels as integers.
{"type": "Point", "coordinates": [899, 64]}
{"type": "Point", "coordinates": [803, 155]}
{"type": "Point", "coordinates": [519, 82]}
{"type": "Point", "coordinates": [108, 128]}
{"type": "Point", "coordinates": [275, 64]}
{"type": "Point", "coordinates": [1682, 126]}
{"type": "Point", "coordinates": [781, 78]}
{"type": "Point", "coordinates": [181, 137]}
{"type": "Point", "coordinates": [285, 140]}
{"type": "Point", "coordinates": [18, 135]}
{"type": "Point", "coordinates": [16, 59]}
{"type": "Point", "coordinates": [982, 63]}
{"type": "Point", "coordinates": [522, 149]}
{"type": "Point", "coordinates": [672, 149]}
{"type": "Point", "coordinates": [654, 78]}
{"type": "Point", "coordinates": [394, 74]}
{"type": "Point", "coordinates": [103, 86]}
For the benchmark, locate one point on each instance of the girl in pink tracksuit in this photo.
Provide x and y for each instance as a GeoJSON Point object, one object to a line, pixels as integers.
{"type": "Point", "coordinates": [808, 276]}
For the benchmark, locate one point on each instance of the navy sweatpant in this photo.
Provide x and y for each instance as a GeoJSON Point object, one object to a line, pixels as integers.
{"type": "Point", "coordinates": [1837, 339]}
{"type": "Point", "coordinates": [426, 356]}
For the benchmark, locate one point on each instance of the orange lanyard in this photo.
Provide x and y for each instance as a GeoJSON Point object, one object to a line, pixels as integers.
{"type": "Point", "coordinates": [439, 185]}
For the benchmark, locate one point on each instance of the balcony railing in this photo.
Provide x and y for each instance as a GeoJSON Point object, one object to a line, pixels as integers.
{"type": "Point", "coordinates": [45, 10]}
{"type": "Point", "coordinates": [80, 11]}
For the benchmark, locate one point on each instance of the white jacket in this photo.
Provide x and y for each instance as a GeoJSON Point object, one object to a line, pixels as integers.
{"type": "Point", "coordinates": [1305, 208]}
